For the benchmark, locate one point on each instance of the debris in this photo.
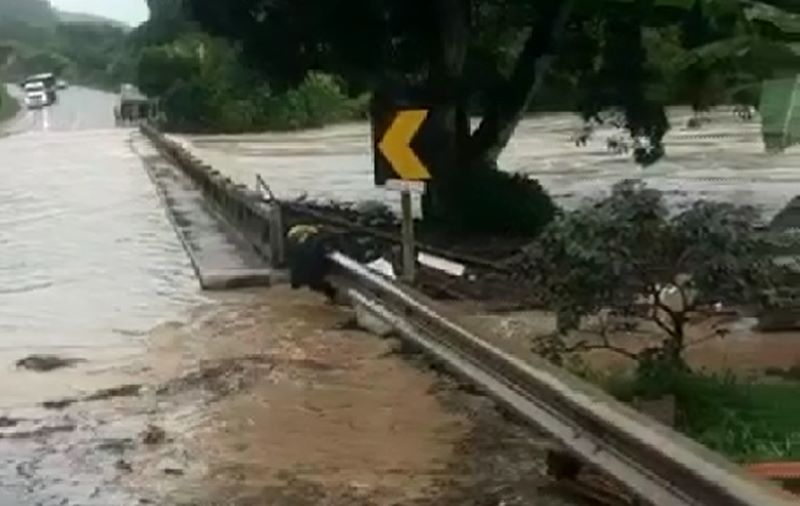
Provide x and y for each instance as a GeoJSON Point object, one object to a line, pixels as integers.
{"type": "Point", "coordinates": [383, 267]}
{"type": "Point", "coordinates": [116, 445]}
{"type": "Point", "coordinates": [6, 422]}
{"type": "Point", "coordinates": [154, 435]}
{"type": "Point", "coordinates": [60, 404]}
{"type": "Point", "coordinates": [121, 391]}
{"type": "Point", "coordinates": [47, 363]}
{"type": "Point", "coordinates": [171, 471]}
{"type": "Point", "coordinates": [123, 466]}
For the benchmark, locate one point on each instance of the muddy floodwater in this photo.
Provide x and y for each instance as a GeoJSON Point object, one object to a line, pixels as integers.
{"type": "Point", "coordinates": [121, 383]}
{"type": "Point", "coordinates": [724, 161]}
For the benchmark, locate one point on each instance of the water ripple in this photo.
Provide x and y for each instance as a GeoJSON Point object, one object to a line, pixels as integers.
{"type": "Point", "coordinates": [85, 248]}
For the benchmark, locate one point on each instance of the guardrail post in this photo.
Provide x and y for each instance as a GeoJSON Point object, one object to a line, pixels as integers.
{"type": "Point", "coordinates": [277, 242]}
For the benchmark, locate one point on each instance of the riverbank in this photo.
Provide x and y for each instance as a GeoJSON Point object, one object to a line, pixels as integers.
{"type": "Point", "coordinates": [9, 106]}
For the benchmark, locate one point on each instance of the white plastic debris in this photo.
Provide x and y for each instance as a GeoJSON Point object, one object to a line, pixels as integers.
{"type": "Point", "coordinates": [384, 267]}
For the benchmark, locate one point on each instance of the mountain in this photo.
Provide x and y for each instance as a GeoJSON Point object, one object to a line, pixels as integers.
{"type": "Point", "coordinates": [37, 13]}
{"type": "Point", "coordinates": [81, 17]}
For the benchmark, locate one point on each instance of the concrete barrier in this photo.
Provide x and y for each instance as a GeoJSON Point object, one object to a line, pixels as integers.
{"type": "Point", "coordinates": [259, 223]}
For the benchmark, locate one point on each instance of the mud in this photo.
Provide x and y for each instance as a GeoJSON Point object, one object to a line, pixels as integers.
{"type": "Point", "coordinates": [269, 397]}
{"type": "Point", "coordinates": [742, 349]}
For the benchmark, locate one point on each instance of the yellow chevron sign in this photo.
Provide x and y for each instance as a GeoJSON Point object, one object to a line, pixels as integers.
{"type": "Point", "coordinates": [396, 145]}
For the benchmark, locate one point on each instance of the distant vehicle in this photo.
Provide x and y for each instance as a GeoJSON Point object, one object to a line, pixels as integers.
{"type": "Point", "coordinates": [36, 95]}
{"type": "Point", "coordinates": [48, 81]}
{"type": "Point", "coordinates": [62, 84]}
{"type": "Point", "coordinates": [134, 107]}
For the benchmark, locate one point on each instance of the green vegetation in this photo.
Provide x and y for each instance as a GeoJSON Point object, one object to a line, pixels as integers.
{"type": "Point", "coordinates": [498, 59]}
{"type": "Point", "coordinates": [8, 105]}
{"type": "Point", "coordinates": [624, 264]}
{"type": "Point", "coordinates": [626, 258]}
{"type": "Point", "coordinates": [81, 49]}
{"type": "Point", "coordinates": [203, 87]}
{"type": "Point", "coordinates": [747, 420]}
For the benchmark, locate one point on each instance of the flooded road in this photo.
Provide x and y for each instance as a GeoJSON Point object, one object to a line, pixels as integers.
{"type": "Point", "coordinates": [724, 161]}
{"type": "Point", "coordinates": [122, 384]}
{"type": "Point", "coordinates": [87, 261]}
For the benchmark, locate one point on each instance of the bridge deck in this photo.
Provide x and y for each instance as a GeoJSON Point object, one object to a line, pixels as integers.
{"type": "Point", "coordinates": [220, 257]}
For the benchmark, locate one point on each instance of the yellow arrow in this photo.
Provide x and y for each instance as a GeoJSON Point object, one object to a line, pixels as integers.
{"type": "Point", "coordinates": [396, 145]}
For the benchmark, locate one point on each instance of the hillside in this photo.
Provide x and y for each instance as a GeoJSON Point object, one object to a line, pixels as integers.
{"type": "Point", "coordinates": [37, 13]}
{"type": "Point", "coordinates": [82, 48]}
{"type": "Point", "coordinates": [81, 17]}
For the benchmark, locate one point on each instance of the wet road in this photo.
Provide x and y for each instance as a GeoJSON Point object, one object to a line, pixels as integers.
{"type": "Point", "coordinates": [87, 259]}
{"type": "Point", "coordinates": [179, 398]}
{"type": "Point", "coordinates": [727, 163]}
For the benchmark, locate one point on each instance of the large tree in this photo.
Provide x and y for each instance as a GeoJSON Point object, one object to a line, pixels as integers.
{"type": "Point", "coordinates": [486, 56]}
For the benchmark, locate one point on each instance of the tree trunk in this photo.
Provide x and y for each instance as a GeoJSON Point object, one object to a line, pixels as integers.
{"type": "Point", "coordinates": [510, 102]}
{"type": "Point", "coordinates": [448, 119]}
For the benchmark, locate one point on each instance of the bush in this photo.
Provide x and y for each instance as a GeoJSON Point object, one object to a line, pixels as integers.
{"type": "Point", "coordinates": [626, 257]}
{"type": "Point", "coordinates": [191, 107]}
{"type": "Point", "coordinates": [496, 203]}
{"type": "Point", "coordinates": [746, 421]}
{"type": "Point", "coordinates": [8, 105]}
{"type": "Point", "coordinates": [318, 101]}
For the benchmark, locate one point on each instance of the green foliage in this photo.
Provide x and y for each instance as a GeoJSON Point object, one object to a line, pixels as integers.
{"type": "Point", "coordinates": [29, 12]}
{"type": "Point", "coordinates": [8, 105]}
{"type": "Point", "coordinates": [624, 255]}
{"type": "Point", "coordinates": [204, 87]}
{"type": "Point", "coordinates": [317, 101]}
{"type": "Point", "coordinates": [85, 53]}
{"type": "Point", "coordinates": [161, 67]}
{"type": "Point", "coordinates": [747, 421]}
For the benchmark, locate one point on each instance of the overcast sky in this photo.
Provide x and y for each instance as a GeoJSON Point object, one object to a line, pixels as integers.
{"type": "Point", "coordinates": [132, 12]}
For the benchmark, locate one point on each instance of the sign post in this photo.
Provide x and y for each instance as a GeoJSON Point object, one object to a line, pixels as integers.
{"type": "Point", "coordinates": [409, 253]}
{"type": "Point", "coordinates": [395, 130]}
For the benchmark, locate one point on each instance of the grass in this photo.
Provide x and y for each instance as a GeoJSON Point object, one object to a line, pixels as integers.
{"type": "Point", "coordinates": [747, 420]}
{"type": "Point", "coordinates": [8, 105]}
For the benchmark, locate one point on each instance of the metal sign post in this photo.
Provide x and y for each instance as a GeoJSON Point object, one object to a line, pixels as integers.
{"type": "Point", "coordinates": [409, 253]}
{"type": "Point", "coordinates": [401, 164]}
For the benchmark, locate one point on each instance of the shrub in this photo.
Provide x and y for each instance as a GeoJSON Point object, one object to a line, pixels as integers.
{"type": "Point", "coordinates": [626, 257]}
{"type": "Point", "coordinates": [8, 105]}
{"type": "Point", "coordinates": [496, 203]}
{"type": "Point", "coordinates": [318, 101]}
{"type": "Point", "coordinates": [744, 420]}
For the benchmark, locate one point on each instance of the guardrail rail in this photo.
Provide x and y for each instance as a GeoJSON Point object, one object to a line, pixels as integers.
{"type": "Point", "coordinates": [654, 462]}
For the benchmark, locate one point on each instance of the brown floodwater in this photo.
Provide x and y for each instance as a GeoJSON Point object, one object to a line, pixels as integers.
{"type": "Point", "coordinates": [723, 161]}
{"type": "Point", "coordinates": [178, 397]}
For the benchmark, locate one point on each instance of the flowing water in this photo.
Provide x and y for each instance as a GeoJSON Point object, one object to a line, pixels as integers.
{"type": "Point", "coordinates": [723, 161]}
{"type": "Point", "coordinates": [177, 397]}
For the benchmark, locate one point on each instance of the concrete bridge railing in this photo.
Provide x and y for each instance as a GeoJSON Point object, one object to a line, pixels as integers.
{"type": "Point", "coordinates": [259, 222]}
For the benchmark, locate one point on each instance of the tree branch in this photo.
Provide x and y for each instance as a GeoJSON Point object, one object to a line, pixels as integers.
{"type": "Point", "coordinates": [509, 103]}
{"type": "Point", "coordinates": [583, 346]}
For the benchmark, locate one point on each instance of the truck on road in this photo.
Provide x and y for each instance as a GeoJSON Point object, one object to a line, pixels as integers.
{"type": "Point", "coordinates": [40, 90]}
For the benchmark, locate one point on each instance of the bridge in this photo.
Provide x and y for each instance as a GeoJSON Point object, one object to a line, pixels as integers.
{"type": "Point", "coordinates": [165, 392]}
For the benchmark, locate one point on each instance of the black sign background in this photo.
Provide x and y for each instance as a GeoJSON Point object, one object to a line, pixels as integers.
{"type": "Point", "coordinates": [384, 110]}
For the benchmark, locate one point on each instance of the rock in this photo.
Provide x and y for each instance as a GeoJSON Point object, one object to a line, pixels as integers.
{"type": "Point", "coordinates": [47, 363]}
{"type": "Point", "coordinates": [154, 435]}
{"type": "Point", "coordinates": [172, 471]}
{"type": "Point", "coordinates": [6, 422]}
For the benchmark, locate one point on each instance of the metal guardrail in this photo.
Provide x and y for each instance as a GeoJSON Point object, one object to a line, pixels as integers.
{"type": "Point", "coordinates": [654, 462]}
